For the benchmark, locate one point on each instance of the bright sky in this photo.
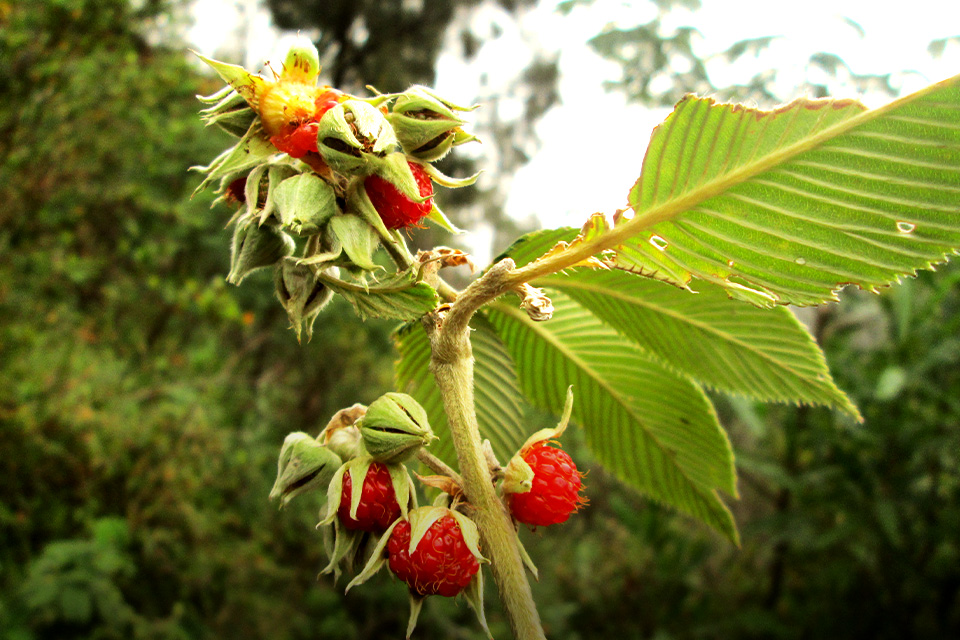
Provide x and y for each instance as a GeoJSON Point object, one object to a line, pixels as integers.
{"type": "Point", "coordinates": [565, 181]}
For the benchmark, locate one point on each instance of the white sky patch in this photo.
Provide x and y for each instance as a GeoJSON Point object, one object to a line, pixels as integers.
{"type": "Point", "coordinates": [592, 145]}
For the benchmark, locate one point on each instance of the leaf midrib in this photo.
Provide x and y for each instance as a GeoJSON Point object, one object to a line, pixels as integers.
{"type": "Point", "coordinates": [547, 281]}
{"type": "Point", "coordinates": [668, 455]}
{"type": "Point", "coordinates": [719, 185]}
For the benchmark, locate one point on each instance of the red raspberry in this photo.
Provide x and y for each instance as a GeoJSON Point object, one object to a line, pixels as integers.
{"type": "Point", "coordinates": [378, 507]}
{"type": "Point", "coordinates": [299, 142]}
{"type": "Point", "coordinates": [395, 209]}
{"type": "Point", "coordinates": [555, 493]}
{"type": "Point", "coordinates": [326, 101]}
{"type": "Point", "coordinates": [440, 565]}
{"type": "Point", "coordinates": [302, 139]}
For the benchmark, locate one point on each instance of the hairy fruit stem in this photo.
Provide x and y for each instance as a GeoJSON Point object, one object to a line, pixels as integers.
{"type": "Point", "coordinates": [452, 366]}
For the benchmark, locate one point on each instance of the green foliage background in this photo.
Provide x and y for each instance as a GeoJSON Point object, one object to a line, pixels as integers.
{"type": "Point", "coordinates": [143, 401]}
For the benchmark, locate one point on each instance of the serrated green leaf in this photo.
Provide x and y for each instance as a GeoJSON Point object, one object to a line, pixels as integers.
{"type": "Point", "coordinates": [790, 205]}
{"type": "Point", "coordinates": [397, 298]}
{"type": "Point", "coordinates": [655, 430]}
{"type": "Point", "coordinates": [498, 399]}
{"type": "Point", "coordinates": [766, 354]}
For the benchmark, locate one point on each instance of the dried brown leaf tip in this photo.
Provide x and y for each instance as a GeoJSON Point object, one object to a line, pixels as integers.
{"type": "Point", "coordinates": [444, 483]}
{"type": "Point", "coordinates": [537, 305]}
{"type": "Point", "coordinates": [344, 418]}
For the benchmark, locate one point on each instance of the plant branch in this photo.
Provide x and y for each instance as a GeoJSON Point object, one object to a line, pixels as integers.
{"type": "Point", "coordinates": [452, 366]}
{"type": "Point", "coordinates": [439, 466]}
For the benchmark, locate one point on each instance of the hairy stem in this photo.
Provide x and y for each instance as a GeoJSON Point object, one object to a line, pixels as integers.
{"type": "Point", "coordinates": [437, 465]}
{"type": "Point", "coordinates": [452, 366]}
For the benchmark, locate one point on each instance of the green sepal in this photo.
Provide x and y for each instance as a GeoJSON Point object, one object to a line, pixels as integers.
{"type": "Point", "coordinates": [395, 169]}
{"type": "Point", "coordinates": [357, 468]}
{"type": "Point", "coordinates": [301, 293]}
{"type": "Point", "coordinates": [438, 216]}
{"type": "Point", "coordinates": [527, 560]}
{"type": "Point", "coordinates": [420, 522]}
{"type": "Point", "coordinates": [556, 432]}
{"type": "Point", "coordinates": [334, 493]}
{"type": "Point", "coordinates": [276, 174]}
{"type": "Point", "coordinates": [403, 488]}
{"type": "Point", "coordinates": [446, 181]}
{"type": "Point", "coordinates": [474, 595]}
{"type": "Point", "coordinates": [251, 190]}
{"type": "Point", "coordinates": [416, 605]}
{"type": "Point", "coordinates": [358, 202]}
{"type": "Point", "coordinates": [346, 546]}
{"type": "Point", "coordinates": [217, 96]}
{"type": "Point", "coordinates": [376, 560]}
{"type": "Point", "coordinates": [348, 147]}
{"type": "Point", "coordinates": [517, 476]}
{"type": "Point", "coordinates": [245, 83]}
{"type": "Point", "coordinates": [394, 428]}
{"type": "Point", "coordinates": [231, 112]}
{"type": "Point", "coordinates": [252, 149]}
{"type": "Point", "coordinates": [357, 238]}
{"type": "Point", "coordinates": [305, 202]}
{"type": "Point", "coordinates": [255, 248]}
{"type": "Point", "coordinates": [304, 465]}
{"type": "Point", "coordinates": [421, 98]}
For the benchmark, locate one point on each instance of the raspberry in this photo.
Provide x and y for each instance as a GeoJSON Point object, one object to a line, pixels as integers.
{"type": "Point", "coordinates": [326, 101]}
{"type": "Point", "coordinates": [440, 565]}
{"type": "Point", "coordinates": [378, 507]}
{"type": "Point", "coordinates": [397, 210]}
{"type": "Point", "coordinates": [555, 493]}
{"type": "Point", "coordinates": [302, 139]}
{"type": "Point", "coordinates": [299, 142]}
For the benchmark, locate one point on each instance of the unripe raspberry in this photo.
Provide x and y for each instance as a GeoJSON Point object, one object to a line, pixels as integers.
{"type": "Point", "coordinates": [378, 507]}
{"type": "Point", "coordinates": [397, 210]}
{"type": "Point", "coordinates": [442, 564]}
{"type": "Point", "coordinates": [555, 490]}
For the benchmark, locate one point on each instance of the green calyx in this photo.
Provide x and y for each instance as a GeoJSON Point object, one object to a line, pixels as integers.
{"type": "Point", "coordinates": [394, 428]}
{"type": "Point", "coordinates": [255, 248]}
{"type": "Point", "coordinates": [304, 465]}
{"type": "Point", "coordinates": [229, 111]}
{"type": "Point", "coordinates": [305, 202]}
{"type": "Point", "coordinates": [302, 294]}
{"type": "Point", "coordinates": [351, 133]}
{"type": "Point", "coordinates": [427, 125]}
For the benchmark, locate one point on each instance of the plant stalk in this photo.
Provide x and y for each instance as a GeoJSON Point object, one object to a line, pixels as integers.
{"type": "Point", "coordinates": [452, 366]}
